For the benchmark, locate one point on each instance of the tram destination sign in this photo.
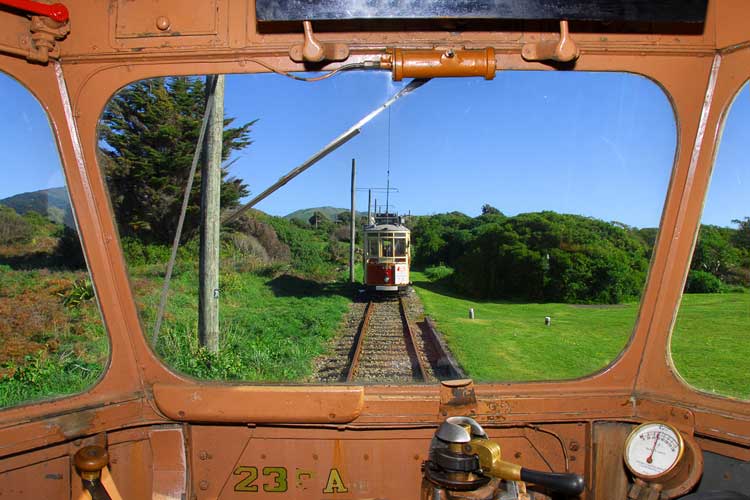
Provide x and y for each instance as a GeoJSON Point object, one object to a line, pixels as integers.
{"type": "Point", "coordinates": [639, 11]}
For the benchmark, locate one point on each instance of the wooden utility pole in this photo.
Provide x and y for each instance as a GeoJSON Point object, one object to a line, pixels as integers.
{"type": "Point", "coordinates": [208, 316]}
{"type": "Point", "coordinates": [369, 205]}
{"type": "Point", "coordinates": [352, 223]}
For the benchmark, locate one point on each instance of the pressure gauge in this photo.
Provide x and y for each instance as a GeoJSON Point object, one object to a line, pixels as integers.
{"type": "Point", "coordinates": [653, 450]}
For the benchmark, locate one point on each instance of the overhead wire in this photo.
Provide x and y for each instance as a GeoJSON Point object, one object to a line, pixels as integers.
{"type": "Point", "coordinates": [345, 67]}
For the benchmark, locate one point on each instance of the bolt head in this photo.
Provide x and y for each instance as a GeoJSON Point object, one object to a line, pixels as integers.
{"type": "Point", "coordinates": [163, 23]}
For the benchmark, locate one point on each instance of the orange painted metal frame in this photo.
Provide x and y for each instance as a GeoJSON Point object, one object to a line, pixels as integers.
{"type": "Point", "coordinates": [700, 73]}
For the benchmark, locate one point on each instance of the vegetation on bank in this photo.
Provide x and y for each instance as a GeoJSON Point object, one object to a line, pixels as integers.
{"type": "Point", "coordinates": [276, 317]}
{"type": "Point", "coordinates": [53, 340]}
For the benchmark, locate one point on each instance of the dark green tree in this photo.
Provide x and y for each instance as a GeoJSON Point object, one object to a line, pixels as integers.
{"type": "Point", "coordinates": [343, 217]}
{"type": "Point", "coordinates": [148, 135]}
{"type": "Point", "coordinates": [714, 252]}
{"type": "Point", "coordinates": [489, 209]}
{"type": "Point", "coordinates": [317, 219]}
{"type": "Point", "coordinates": [741, 238]}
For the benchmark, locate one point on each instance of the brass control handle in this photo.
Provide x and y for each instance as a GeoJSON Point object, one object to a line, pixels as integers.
{"type": "Point", "coordinates": [565, 483]}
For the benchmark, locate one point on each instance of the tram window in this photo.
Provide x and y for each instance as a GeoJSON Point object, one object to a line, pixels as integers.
{"type": "Point", "coordinates": [52, 339]}
{"type": "Point", "coordinates": [710, 343]}
{"type": "Point", "coordinates": [387, 246]}
{"type": "Point", "coordinates": [400, 247]}
{"type": "Point", "coordinates": [374, 248]}
{"type": "Point", "coordinates": [498, 224]}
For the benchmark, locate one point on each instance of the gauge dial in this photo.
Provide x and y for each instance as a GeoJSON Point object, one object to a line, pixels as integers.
{"type": "Point", "coordinates": [653, 449]}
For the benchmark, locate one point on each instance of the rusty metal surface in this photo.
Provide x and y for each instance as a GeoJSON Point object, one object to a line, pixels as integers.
{"type": "Point", "coordinates": [244, 404]}
{"type": "Point", "coordinates": [700, 72]}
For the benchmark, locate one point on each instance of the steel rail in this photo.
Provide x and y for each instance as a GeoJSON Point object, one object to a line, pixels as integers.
{"type": "Point", "coordinates": [411, 340]}
{"type": "Point", "coordinates": [359, 341]}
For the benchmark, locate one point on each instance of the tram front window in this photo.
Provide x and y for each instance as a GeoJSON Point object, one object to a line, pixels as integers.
{"type": "Point", "coordinates": [387, 248]}
{"type": "Point", "coordinates": [400, 247]}
{"type": "Point", "coordinates": [497, 224]}
{"type": "Point", "coordinates": [374, 250]}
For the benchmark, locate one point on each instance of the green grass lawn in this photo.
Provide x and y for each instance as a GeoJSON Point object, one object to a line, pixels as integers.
{"type": "Point", "coordinates": [711, 342]}
{"type": "Point", "coordinates": [271, 328]}
{"type": "Point", "coordinates": [510, 342]}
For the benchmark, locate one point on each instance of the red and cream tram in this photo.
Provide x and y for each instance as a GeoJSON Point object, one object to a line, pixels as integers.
{"type": "Point", "coordinates": [386, 253]}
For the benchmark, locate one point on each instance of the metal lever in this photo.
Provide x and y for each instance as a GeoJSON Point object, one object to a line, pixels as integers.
{"type": "Point", "coordinates": [89, 462]}
{"type": "Point", "coordinates": [565, 483]}
{"type": "Point", "coordinates": [463, 458]}
{"type": "Point", "coordinates": [56, 11]}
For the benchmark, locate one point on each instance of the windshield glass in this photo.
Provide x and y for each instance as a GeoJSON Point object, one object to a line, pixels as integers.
{"type": "Point", "coordinates": [533, 202]}
{"type": "Point", "coordinates": [52, 338]}
{"type": "Point", "coordinates": [710, 342]}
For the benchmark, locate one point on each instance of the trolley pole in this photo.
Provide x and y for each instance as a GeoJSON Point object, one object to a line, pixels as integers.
{"type": "Point", "coordinates": [208, 298]}
{"type": "Point", "coordinates": [369, 205]}
{"type": "Point", "coordinates": [352, 223]}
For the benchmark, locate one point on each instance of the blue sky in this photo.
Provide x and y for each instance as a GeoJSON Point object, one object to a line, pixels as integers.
{"type": "Point", "coordinates": [597, 144]}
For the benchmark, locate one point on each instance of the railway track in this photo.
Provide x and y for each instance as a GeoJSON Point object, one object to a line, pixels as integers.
{"type": "Point", "coordinates": [381, 346]}
{"type": "Point", "coordinates": [385, 347]}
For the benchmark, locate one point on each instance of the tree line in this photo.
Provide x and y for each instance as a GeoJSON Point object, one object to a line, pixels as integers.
{"type": "Point", "coordinates": [547, 256]}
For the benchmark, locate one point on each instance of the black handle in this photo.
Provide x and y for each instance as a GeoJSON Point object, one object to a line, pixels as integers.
{"type": "Point", "coordinates": [96, 489]}
{"type": "Point", "coordinates": [567, 484]}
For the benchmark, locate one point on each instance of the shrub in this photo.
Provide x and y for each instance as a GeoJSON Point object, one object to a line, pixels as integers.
{"type": "Point", "coordinates": [437, 273]}
{"type": "Point", "coordinates": [703, 282]}
{"type": "Point", "coordinates": [13, 227]}
{"type": "Point", "coordinates": [69, 249]}
{"type": "Point", "coordinates": [80, 291]}
{"type": "Point", "coordinates": [138, 253]}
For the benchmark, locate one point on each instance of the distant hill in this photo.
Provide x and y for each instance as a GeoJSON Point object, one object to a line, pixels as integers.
{"type": "Point", "coordinates": [330, 212]}
{"type": "Point", "coordinates": [52, 203]}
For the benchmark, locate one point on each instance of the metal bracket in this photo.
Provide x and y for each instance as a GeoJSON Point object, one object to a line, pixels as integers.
{"type": "Point", "coordinates": [315, 51]}
{"type": "Point", "coordinates": [45, 32]}
{"type": "Point", "coordinates": [457, 398]}
{"type": "Point", "coordinates": [562, 50]}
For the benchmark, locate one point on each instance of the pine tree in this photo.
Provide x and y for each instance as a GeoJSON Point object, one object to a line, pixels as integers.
{"type": "Point", "coordinates": [148, 135]}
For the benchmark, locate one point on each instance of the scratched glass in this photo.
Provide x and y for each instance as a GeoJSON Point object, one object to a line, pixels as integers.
{"type": "Point", "coordinates": [535, 195]}
{"type": "Point", "coordinates": [709, 340]}
{"type": "Point", "coordinates": [52, 338]}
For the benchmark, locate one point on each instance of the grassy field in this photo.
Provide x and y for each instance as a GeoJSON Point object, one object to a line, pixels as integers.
{"type": "Point", "coordinates": [711, 342]}
{"type": "Point", "coordinates": [510, 342]}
